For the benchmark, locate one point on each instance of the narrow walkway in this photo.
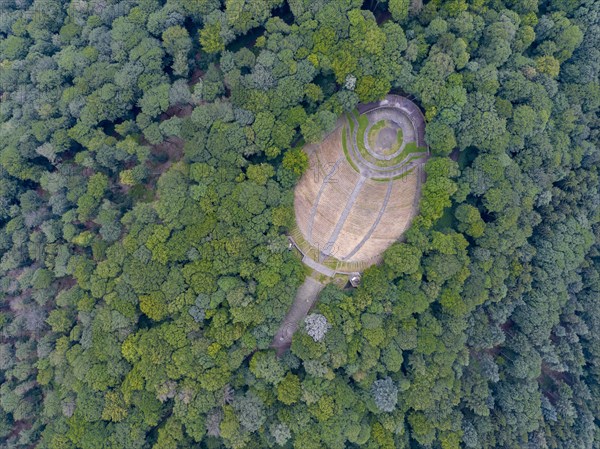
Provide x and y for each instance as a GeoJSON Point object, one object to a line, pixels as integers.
{"type": "Point", "coordinates": [313, 210]}
{"type": "Point", "coordinates": [367, 236]}
{"type": "Point", "coordinates": [305, 298]}
{"type": "Point", "coordinates": [327, 250]}
{"type": "Point", "coordinates": [318, 267]}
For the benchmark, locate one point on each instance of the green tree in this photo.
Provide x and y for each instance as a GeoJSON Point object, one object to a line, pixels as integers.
{"type": "Point", "coordinates": [296, 161]}
{"type": "Point", "coordinates": [399, 9]}
{"type": "Point", "coordinates": [210, 38]}
{"type": "Point", "coordinates": [289, 389]}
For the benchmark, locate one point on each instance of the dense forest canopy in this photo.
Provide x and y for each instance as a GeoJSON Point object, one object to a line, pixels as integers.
{"type": "Point", "coordinates": [148, 154]}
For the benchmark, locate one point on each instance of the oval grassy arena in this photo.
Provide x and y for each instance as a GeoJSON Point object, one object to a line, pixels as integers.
{"type": "Point", "coordinates": [363, 186]}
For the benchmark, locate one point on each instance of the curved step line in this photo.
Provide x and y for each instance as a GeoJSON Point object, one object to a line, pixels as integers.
{"type": "Point", "coordinates": [365, 165]}
{"type": "Point", "coordinates": [388, 157]}
{"type": "Point", "coordinates": [368, 235]}
{"type": "Point", "coordinates": [410, 112]}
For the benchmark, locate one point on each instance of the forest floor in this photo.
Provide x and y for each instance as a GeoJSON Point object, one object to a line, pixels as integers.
{"type": "Point", "coordinates": [306, 297]}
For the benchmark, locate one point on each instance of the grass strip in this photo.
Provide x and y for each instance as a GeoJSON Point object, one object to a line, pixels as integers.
{"type": "Point", "coordinates": [345, 148]}
{"type": "Point", "coordinates": [374, 131]}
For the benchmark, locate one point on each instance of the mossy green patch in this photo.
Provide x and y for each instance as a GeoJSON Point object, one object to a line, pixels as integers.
{"type": "Point", "coordinates": [374, 131]}
{"type": "Point", "coordinates": [345, 148]}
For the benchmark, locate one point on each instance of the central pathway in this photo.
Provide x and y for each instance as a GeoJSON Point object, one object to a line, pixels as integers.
{"type": "Point", "coordinates": [367, 236]}
{"type": "Point", "coordinates": [305, 298]}
{"type": "Point", "coordinates": [340, 224]}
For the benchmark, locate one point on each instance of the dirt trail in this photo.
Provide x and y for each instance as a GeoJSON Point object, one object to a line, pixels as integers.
{"type": "Point", "coordinates": [338, 227]}
{"type": "Point", "coordinates": [306, 297]}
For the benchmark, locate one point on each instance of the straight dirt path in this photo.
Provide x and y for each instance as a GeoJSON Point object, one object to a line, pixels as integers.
{"type": "Point", "coordinates": [368, 235]}
{"type": "Point", "coordinates": [305, 298]}
{"type": "Point", "coordinates": [342, 220]}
